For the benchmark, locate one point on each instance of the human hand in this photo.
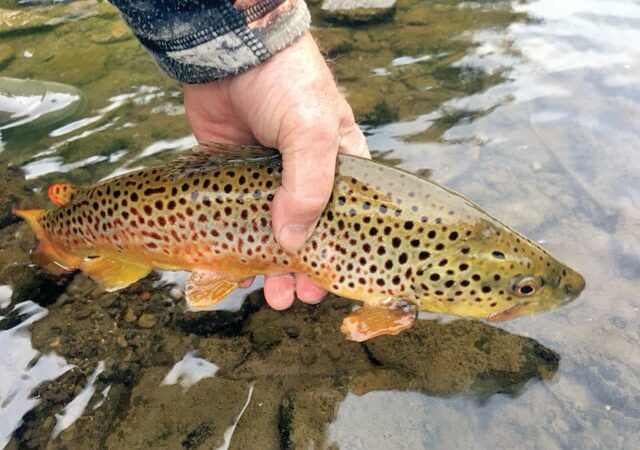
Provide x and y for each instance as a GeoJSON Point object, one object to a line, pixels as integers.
{"type": "Point", "coordinates": [290, 102]}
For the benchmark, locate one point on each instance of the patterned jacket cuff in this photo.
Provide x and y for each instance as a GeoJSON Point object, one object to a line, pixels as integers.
{"type": "Point", "coordinates": [211, 40]}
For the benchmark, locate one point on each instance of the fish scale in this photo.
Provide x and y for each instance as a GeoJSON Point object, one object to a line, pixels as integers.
{"type": "Point", "coordinates": [395, 241]}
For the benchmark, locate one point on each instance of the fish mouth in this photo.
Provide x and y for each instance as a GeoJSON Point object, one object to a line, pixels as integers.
{"type": "Point", "coordinates": [574, 285]}
{"type": "Point", "coordinates": [509, 313]}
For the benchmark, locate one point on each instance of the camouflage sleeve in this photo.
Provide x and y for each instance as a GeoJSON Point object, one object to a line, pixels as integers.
{"type": "Point", "coordinates": [195, 41]}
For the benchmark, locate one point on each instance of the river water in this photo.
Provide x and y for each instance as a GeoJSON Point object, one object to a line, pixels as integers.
{"type": "Point", "coordinates": [532, 109]}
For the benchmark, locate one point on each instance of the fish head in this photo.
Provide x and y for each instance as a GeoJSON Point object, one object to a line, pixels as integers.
{"type": "Point", "coordinates": [539, 290]}
{"type": "Point", "coordinates": [497, 274]}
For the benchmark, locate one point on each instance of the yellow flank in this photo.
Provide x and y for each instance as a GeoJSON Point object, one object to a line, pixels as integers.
{"type": "Point", "coordinates": [388, 238]}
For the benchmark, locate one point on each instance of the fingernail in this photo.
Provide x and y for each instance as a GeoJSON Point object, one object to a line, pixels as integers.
{"type": "Point", "coordinates": [293, 236]}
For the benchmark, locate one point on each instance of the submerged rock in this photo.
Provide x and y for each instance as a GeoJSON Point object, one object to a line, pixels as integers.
{"type": "Point", "coordinates": [358, 11]}
{"type": "Point", "coordinates": [7, 54]}
{"type": "Point", "coordinates": [33, 104]}
{"type": "Point", "coordinates": [169, 417]}
{"type": "Point", "coordinates": [464, 357]}
{"type": "Point", "coordinates": [38, 18]}
{"type": "Point", "coordinates": [117, 31]}
{"type": "Point", "coordinates": [147, 320]}
{"type": "Point", "coordinates": [14, 195]}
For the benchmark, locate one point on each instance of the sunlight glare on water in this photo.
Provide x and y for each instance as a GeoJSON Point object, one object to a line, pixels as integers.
{"type": "Point", "coordinates": [23, 369]}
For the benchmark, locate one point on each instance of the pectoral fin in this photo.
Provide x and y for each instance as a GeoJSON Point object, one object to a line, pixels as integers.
{"type": "Point", "coordinates": [371, 321]}
{"type": "Point", "coordinates": [205, 289]}
{"type": "Point", "coordinates": [112, 273]}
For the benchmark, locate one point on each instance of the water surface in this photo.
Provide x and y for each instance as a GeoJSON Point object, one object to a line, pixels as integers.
{"type": "Point", "coordinates": [529, 108]}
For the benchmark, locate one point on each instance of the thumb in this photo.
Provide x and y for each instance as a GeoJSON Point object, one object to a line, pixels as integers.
{"type": "Point", "coordinates": [308, 169]}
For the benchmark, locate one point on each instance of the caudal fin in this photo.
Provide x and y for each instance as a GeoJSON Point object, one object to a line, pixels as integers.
{"type": "Point", "coordinates": [46, 254]}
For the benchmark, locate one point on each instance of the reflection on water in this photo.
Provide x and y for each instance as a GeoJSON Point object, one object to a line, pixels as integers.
{"type": "Point", "coordinates": [526, 107]}
{"type": "Point", "coordinates": [76, 407]}
{"type": "Point", "coordinates": [189, 370]}
{"type": "Point", "coordinates": [36, 103]}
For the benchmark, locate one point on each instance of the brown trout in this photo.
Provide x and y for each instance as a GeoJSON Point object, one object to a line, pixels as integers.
{"type": "Point", "coordinates": [397, 242]}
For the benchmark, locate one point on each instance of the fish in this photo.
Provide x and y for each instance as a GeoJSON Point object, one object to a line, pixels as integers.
{"type": "Point", "coordinates": [395, 241]}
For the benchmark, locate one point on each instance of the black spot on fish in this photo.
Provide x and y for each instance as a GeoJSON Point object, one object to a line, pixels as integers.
{"type": "Point", "coordinates": [151, 191]}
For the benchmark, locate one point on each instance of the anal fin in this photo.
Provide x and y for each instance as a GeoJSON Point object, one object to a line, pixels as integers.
{"type": "Point", "coordinates": [371, 321]}
{"type": "Point", "coordinates": [205, 289]}
{"type": "Point", "coordinates": [112, 273]}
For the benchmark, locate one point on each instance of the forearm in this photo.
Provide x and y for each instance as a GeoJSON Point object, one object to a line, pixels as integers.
{"type": "Point", "coordinates": [201, 41]}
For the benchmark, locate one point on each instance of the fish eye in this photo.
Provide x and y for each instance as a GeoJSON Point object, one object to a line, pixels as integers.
{"type": "Point", "coordinates": [525, 286]}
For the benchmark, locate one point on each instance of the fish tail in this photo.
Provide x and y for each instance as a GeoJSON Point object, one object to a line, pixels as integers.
{"type": "Point", "coordinates": [46, 254]}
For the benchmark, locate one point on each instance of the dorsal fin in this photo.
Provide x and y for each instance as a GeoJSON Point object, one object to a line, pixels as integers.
{"type": "Point", "coordinates": [208, 155]}
{"type": "Point", "coordinates": [61, 193]}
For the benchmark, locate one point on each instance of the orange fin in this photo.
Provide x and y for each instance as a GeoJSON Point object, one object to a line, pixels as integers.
{"type": "Point", "coordinates": [371, 321]}
{"type": "Point", "coordinates": [61, 193]}
{"type": "Point", "coordinates": [113, 273]}
{"type": "Point", "coordinates": [46, 254]}
{"type": "Point", "coordinates": [205, 289]}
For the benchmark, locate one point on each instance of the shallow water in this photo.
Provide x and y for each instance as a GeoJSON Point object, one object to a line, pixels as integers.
{"type": "Point", "coordinates": [530, 109]}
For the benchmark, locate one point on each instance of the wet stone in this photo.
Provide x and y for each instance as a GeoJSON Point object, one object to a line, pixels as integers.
{"type": "Point", "coordinates": [107, 300]}
{"type": "Point", "coordinates": [81, 287]}
{"type": "Point", "coordinates": [176, 293]}
{"type": "Point", "coordinates": [147, 320]}
{"type": "Point", "coordinates": [464, 357]}
{"type": "Point", "coordinates": [130, 316]}
{"type": "Point", "coordinates": [380, 114]}
{"type": "Point", "coordinates": [115, 32]}
{"type": "Point", "coordinates": [292, 332]}
{"type": "Point", "coordinates": [32, 283]}
{"type": "Point", "coordinates": [81, 311]}
{"type": "Point", "coordinates": [358, 11]}
{"type": "Point", "coordinates": [266, 338]}
{"type": "Point", "coordinates": [122, 342]}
